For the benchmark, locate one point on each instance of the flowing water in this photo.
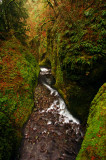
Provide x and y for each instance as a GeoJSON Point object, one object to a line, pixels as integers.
{"type": "Point", "coordinates": [51, 133]}
{"type": "Point", "coordinates": [60, 107]}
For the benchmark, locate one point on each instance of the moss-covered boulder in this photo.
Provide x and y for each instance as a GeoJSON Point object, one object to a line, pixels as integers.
{"type": "Point", "coordinates": [93, 146]}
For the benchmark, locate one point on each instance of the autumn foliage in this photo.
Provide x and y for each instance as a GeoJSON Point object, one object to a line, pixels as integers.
{"type": "Point", "coordinates": [18, 76]}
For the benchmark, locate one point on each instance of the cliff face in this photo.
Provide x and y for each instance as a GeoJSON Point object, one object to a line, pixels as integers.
{"type": "Point", "coordinates": [93, 146]}
{"type": "Point", "coordinates": [18, 76]}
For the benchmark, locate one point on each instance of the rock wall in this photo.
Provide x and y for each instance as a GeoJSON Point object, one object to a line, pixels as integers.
{"type": "Point", "coordinates": [18, 77]}
{"type": "Point", "coordinates": [93, 146]}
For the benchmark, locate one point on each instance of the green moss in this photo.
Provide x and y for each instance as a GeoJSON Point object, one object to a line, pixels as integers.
{"type": "Point", "coordinates": [94, 140]}
{"type": "Point", "coordinates": [18, 75]}
{"type": "Point", "coordinates": [89, 12]}
{"type": "Point", "coordinates": [59, 76]}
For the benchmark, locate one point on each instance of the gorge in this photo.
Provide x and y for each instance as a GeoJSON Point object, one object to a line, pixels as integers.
{"type": "Point", "coordinates": [52, 79]}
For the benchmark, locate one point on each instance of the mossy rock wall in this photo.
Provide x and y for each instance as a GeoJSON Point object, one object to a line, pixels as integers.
{"type": "Point", "coordinates": [93, 146]}
{"type": "Point", "coordinates": [18, 77]}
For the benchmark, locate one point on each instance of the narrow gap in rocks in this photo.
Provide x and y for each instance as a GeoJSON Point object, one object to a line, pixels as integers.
{"type": "Point", "coordinates": [51, 133]}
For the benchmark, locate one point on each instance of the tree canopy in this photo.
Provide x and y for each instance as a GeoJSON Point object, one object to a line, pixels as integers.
{"type": "Point", "coordinates": [12, 16]}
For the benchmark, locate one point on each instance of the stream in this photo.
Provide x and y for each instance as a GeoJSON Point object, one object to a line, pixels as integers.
{"type": "Point", "coordinates": [51, 132]}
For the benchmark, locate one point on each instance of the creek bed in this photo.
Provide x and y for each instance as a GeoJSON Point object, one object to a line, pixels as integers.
{"type": "Point", "coordinates": [51, 133]}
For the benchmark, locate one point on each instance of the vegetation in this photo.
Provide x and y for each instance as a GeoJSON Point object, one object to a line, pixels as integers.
{"type": "Point", "coordinates": [93, 146]}
{"type": "Point", "coordinates": [69, 37]}
{"type": "Point", "coordinates": [18, 77]}
{"type": "Point", "coordinates": [13, 17]}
